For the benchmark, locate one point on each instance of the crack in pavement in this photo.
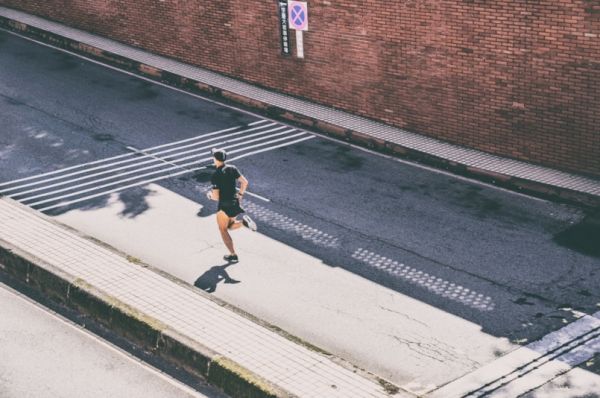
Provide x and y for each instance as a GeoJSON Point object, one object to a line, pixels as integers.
{"type": "Point", "coordinates": [430, 350]}
{"type": "Point", "coordinates": [404, 315]}
{"type": "Point", "coordinates": [421, 349]}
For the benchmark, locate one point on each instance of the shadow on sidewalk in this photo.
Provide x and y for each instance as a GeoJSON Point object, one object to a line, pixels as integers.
{"type": "Point", "coordinates": [208, 281]}
{"type": "Point", "coordinates": [134, 202]}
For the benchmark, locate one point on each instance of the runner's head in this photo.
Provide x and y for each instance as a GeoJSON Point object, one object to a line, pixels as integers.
{"type": "Point", "coordinates": [219, 156]}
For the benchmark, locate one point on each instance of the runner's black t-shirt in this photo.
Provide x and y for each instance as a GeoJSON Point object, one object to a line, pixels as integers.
{"type": "Point", "coordinates": [224, 179]}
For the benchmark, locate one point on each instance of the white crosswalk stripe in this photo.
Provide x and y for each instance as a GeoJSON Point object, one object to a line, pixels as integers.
{"type": "Point", "coordinates": [82, 182]}
{"type": "Point", "coordinates": [123, 155]}
{"type": "Point", "coordinates": [120, 162]}
{"type": "Point", "coordinates": [136, 177]}
{"type": "Point", "coordinates": [152, 158]}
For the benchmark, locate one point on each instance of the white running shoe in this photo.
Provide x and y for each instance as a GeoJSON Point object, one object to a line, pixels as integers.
{"type": "Point", "coordinates": [248, 222]}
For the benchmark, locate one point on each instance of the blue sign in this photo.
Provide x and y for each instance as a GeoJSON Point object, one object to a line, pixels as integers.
{"type": "Point", "coordinates": [298, 15]}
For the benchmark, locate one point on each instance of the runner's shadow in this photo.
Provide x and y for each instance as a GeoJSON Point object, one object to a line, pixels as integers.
{"type": "Point", "coordinates": [208, 281]}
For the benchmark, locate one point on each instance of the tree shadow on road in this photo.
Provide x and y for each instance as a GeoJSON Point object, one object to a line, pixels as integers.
{"type": "Point", "coordinates": [134, 201]}
{"type": "Point", "coordinates": [583, 237]}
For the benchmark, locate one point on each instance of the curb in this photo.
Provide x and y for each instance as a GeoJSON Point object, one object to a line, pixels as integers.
{"type": "Point", "coordinates": [529, 187]}
{"type": "Point", "coordinates": [135, 326]}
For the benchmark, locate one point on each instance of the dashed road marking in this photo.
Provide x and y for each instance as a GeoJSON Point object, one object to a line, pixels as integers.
{"type": "Point", "coordinates": [285, 223]}
{"type": "Point", "coordinates": [439, 286]}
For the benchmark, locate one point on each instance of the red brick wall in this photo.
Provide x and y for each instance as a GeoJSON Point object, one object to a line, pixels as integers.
{"type": "Point", "coordinates": [519, 78]}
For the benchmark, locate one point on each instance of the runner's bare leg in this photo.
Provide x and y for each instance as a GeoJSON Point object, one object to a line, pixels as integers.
{"type": "Point", "coordinates": [234, 223]}
{"type": "Point", "coordinates": [223, 222]}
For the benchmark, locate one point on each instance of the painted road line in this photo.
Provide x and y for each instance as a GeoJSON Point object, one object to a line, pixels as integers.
{"type": "Point", "coordinates": [148, 174]}
{"type": "Point", "coordinates": [280, 127]}
{"type": "Point", "coordinates": [60, 177]}
{"type": "Point", "coordinates": [257, 196]}
{"type": "Point", "coordinates": [154, 166]}
{"type": "Point", "coordinates": [432, 283]}
{"type": "Point", "coordinates": [150, 155]}
{"type": "Point", "coordinates": [174, 164]}
{"type": "Point", "coordinates": [141, 183]}
{"type": "Point", "coordinates": [530, 366]}
{"type": "Point", "coordinates": [123, 156]}
{"type": "Point", "coordinates": [138, 162]}
{"type": "Point", "coordinates": [126, 154]}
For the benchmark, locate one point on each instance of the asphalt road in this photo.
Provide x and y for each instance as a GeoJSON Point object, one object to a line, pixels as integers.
{"type": "Point", "coordinates": [45, 355]}
{"type": "Point", "coordinates": [344, 229]}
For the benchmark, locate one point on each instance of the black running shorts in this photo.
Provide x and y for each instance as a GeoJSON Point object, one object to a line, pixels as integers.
{"type": "Point", "coordinates": [231, 208]}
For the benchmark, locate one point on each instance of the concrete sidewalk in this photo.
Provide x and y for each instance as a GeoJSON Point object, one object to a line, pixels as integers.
{"type": "Point", "coordinates": [168, 317]}
{"type": "Point", "coordinates": [512, 174]}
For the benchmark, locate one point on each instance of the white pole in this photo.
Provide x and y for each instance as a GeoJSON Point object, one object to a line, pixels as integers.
{"type": "Point", "coordinates": [299, 44]}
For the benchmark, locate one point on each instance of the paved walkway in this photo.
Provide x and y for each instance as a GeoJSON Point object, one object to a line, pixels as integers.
{"type": "Point", "coordinates": [452, 154]}
{"type": "Point", "coordinates": [284, 363]}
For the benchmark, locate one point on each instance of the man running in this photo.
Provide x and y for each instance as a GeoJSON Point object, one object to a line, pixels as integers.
{"type": "Point", "coordinates": [223, 190]}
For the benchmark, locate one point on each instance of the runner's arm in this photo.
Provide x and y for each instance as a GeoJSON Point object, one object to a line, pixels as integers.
{"type": "Point", "coordinates": [213, 194]}
{"type": "Point", "coordinates": [243, 185]}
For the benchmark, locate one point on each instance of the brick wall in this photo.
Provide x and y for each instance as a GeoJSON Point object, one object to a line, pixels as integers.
{"type": "Point", "coordinates": [519, 78]}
